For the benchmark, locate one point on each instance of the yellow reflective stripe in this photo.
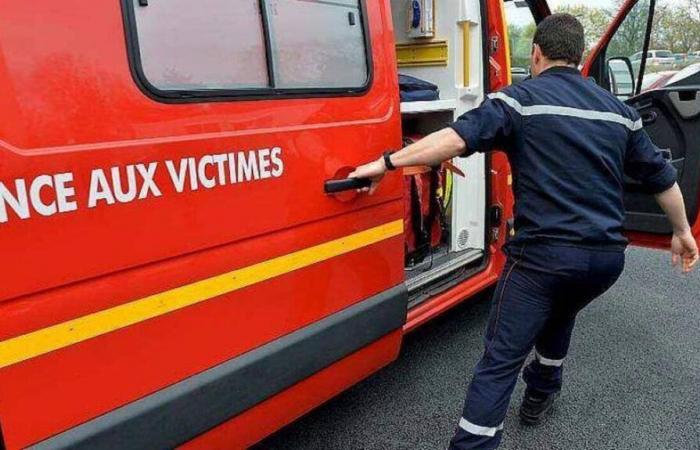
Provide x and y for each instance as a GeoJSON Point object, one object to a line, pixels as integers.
{"type": "Point", "coordinates": [506, 43]}
{"type": "Point", "coordinates": [45, 340]}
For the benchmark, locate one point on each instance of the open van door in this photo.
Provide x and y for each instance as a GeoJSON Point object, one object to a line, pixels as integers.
{"type": "Point", "coordinates": [670, 114]}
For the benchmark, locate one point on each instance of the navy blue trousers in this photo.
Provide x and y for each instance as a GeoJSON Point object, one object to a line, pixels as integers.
{"type": "Point", "coordinates": [540, 292]}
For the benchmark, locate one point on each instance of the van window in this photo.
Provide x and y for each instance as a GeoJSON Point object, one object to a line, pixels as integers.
{"type": "Point", "coordinates": [224, 48]}
{"type": "Point", "coordinates": [318, 44]}
{"type": "Point", "coordinates": [521, 30]}
{"type": "Point", "coordinates": [207, 44]}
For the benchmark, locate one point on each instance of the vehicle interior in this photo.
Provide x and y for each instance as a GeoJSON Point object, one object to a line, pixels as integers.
{"type": "Point", "coordinates": [670, 112]}
{"type": "Point", "coordinates": [665, 95]}
{"type": "Point", "coordinates": [441, 70]}
{"type": "Point", "coordinates": [441, 76]}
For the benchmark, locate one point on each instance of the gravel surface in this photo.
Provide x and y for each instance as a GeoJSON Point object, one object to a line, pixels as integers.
{"type": "Point", "coordinates": [632, 378]}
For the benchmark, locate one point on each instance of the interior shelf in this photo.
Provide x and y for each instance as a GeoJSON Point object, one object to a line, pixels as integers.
{"type": "Point", "coordinates": [429, 106]}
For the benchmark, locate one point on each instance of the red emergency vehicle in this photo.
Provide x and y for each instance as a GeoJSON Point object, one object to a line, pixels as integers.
{"type": "Point", "coordinates": [173, 272]}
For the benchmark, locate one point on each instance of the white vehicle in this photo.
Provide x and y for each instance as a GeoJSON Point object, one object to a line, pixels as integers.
{"type": "Point", "coordinates": [655, 58]}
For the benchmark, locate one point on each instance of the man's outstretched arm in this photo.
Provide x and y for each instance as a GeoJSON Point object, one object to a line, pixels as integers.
{"type": "Point", "coordinates": [477, 130]}
{"type": "Point", "coordinates": [684, 249]}
{"type": "Point", "coordinates": [432, 150]}
{"type": "Point", "coordinates": [644, 163]}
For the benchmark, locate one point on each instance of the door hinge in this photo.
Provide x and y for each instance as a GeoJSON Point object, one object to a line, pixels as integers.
{"type": "Point", "coordinates": [494, 44]}
{"type": "Point", "coordinates": [495, 216]}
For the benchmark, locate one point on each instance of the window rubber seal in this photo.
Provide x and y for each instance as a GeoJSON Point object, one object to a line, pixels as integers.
{"type": "Point", "coordinates": [133, 52]}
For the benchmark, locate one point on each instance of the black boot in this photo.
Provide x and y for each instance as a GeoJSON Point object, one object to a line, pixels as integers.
{"type": "Point", "coordinates": [536, 406]}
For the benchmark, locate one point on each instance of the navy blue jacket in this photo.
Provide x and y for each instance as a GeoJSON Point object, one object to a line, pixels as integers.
{"type": "Point", "coordinates": [569, 142]}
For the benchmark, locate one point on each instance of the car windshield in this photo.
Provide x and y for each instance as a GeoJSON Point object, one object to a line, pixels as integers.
{"type": "Point", "coordinates": [664, 54]}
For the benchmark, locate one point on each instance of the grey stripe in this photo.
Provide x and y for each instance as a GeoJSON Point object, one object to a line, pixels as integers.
{"type": "Point", "coordinates": [478, 430]}
{"type": "Point", "coordinates": [174, 415]}
{"type": "Point", "coordinates": [548, 362]}
{"type": "Point", "coordinates": [536, 110]}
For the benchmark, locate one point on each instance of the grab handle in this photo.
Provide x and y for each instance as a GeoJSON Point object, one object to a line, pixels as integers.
{"type": "Point", "coordinates": [347, 184]}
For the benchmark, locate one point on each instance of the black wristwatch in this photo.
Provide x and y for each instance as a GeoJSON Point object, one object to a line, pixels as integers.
{"type": "Point", "coordinates": [387, 161]}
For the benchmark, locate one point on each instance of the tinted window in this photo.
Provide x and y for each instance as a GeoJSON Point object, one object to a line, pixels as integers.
{"type": "Point", "coordinates": [318, 43]}
{"type": "Point", "coordinates": [521, 29]}
{"type": "Point", "coordinates": [207, 44]}
{"type": "Point", "coordinates": [210, 48]}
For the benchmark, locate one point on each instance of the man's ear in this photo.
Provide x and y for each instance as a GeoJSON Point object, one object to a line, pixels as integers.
{"type": "Point", "coordinates": [536, 53]}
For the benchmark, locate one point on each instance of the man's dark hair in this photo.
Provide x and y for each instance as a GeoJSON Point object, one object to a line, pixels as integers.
{"type": "Point", "coordinates": [560, 37]}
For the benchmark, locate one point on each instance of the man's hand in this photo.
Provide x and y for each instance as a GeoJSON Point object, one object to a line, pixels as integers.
{"type": "Point", "coordinates": [684, 250]}
{"type": "Point", "coordinates": [430, 151]}
{"type": "Point", "coordinates": [374, 170]}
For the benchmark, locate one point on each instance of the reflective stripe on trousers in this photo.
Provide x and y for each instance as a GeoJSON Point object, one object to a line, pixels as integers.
{"type": "Point", "coordinates": [535, 303]}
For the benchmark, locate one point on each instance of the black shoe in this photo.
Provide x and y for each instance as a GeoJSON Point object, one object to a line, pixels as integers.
{"type": "Point", "coordinates": [536, 406]}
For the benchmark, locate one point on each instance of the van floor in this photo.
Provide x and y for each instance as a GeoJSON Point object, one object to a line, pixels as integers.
{"type": "Point", "coordinates": [631, 379]}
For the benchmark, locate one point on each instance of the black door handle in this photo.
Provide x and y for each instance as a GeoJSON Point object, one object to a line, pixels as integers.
{"type": "Point", "coordinates": [666, 154]}
{"type": "Point", "coordinates": [649, 117]}
{"type": "Point", "coordinates": [347, 184]}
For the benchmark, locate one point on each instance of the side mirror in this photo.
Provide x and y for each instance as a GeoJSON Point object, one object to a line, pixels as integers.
{"type": "Point", "coordinates": [621, 76]}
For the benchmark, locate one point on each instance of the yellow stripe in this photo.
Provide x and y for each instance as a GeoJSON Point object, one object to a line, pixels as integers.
{"type": "Point", "coordinates": [36, 343]}
{"type": "Point", "coordinates": [466, 29]}
{"type": "Point", "coordinates": [506, 38]}
{"type": "Point", "coordinates": [421, 54]}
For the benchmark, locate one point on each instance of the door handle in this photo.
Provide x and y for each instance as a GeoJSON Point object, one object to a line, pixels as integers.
{"type": "Point", "coordinates": [347, 184]}
{"type": "Point", "coordinates": [666, 154]}
{"type": "Point", "coordinates": [649, 117]}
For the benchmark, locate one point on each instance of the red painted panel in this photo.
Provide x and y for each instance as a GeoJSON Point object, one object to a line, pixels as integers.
{"type": "Point", "coordinates": [78, 109]}
{"type": "Point", "coordinates": [113, 369]}
{"type": "Point", "coordinates": [255, 424]}
{"type": "Point", "coordinates": [70, 105]}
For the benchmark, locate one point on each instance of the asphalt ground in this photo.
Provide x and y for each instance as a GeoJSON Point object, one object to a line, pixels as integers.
{"type": "Point", "coordinates": [632, 378]}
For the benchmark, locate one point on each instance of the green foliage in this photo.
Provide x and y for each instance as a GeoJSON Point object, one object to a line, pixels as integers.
{"type": "Point", "coordinates": [520, 40]}
{"type": "Point", "coordinates": [676, 28]}
{"type": "Point", "coordinates": [594, 20]}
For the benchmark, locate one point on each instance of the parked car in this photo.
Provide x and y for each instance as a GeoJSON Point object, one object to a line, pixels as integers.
{"type": "Point", "coordinates": [654, 58]}
{"type": "Point", "coordinates": [519, 74]}
{"type": "Point", "coordinates": [694, 56]}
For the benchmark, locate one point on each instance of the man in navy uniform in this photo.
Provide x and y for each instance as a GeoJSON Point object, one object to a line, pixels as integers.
{"type": "Point", "coordinates": [569, 143]}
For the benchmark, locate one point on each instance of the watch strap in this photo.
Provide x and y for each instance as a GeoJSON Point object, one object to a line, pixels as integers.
{"type": "Point", "coordinates": [387, 161]}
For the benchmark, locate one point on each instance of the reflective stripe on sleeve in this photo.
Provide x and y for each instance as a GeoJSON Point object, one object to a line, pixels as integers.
{"type": "Point", "coordinates": [478, 429]}
{"type": "Point", "coordinates": [537, 110]}
{"type": "Point", "coordinates": [548, 362]}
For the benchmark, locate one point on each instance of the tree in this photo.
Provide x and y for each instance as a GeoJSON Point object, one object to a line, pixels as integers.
{"type": "Point", "coordinates": [594, 20]}
{"type": "Point", "coordinates": [629, 38]}
{"type": "Point", "coordinates": [675, 30]}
